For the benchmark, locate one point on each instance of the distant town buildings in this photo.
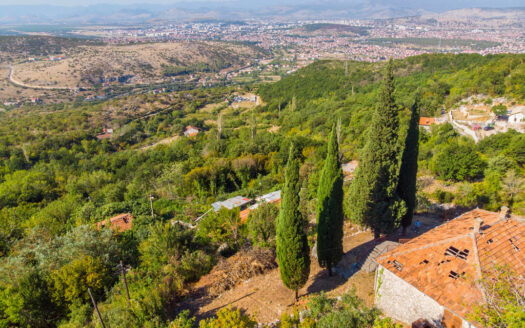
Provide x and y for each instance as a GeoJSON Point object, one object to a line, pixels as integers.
{"type": "Point", "coordinates": [376, 45]}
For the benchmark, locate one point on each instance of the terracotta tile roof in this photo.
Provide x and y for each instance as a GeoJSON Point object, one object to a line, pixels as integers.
{"type": "Point", "coordinates": [445, 262]}
{"type": "Point", "coordinates": [426, 121]}
{"type": "Point", "coordinates": [119, 223]}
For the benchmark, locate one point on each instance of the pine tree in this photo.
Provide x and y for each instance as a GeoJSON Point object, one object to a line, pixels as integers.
{"type": "Point", "coordinates": [330, 208]}
{"type": "Point", "coordinates": [374, 201]}
{"type": "Point", "coordinates": [406, 188]}
{"type": "Point", "coordinates": [292, 244]}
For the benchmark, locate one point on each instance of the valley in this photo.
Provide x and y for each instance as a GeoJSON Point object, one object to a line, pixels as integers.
{"type": "Point", "coordinates": [202, 183]}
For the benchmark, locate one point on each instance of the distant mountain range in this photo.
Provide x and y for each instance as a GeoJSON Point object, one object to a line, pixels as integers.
{"type": "Point", "coordinates": [229, 10]}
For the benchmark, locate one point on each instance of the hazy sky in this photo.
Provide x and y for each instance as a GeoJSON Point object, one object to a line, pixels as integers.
{"type": "Point", "coordinates": [404, 3]}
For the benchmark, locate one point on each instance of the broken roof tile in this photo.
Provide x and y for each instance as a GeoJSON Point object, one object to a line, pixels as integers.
{"type": "Point", "coordinates": [433, 278]}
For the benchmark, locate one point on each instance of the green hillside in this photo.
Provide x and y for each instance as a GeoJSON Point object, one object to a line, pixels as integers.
{"type": "Point", "coordinates": [57, 179]}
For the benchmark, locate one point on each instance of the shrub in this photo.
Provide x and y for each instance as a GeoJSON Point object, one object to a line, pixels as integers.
{"type": "Point", "coordinates": [443, 196]}
{"type": "Point", "coordinates": [72, 280]}
{"type": "Point", "coordinates": [458, 162]}
{"type": "Point", "coordinates": [227, 317]}
{"type": "Point", "coordinates": [261, 225]}
{"type": "Point", "coordinates": [499, 110]}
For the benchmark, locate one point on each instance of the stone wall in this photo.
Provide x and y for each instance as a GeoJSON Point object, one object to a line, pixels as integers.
{"type": "Point", "coordinates": [402, 301]}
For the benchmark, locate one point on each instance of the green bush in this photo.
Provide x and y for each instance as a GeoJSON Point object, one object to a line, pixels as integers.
{"type": "Point", "coordinates": [458, 161]}
{"type": "Point", "coordinates": [443, 196]}
{"type": "Point", "coordinates": [261, 225]}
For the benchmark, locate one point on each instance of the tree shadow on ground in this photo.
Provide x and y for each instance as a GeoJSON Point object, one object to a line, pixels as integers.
{"type": "Point", "coordinates": [350, 263]}
{"type": "Point", "coordinates": [354, 259]}
{"type": "Point", "coordinates": [212, 312]}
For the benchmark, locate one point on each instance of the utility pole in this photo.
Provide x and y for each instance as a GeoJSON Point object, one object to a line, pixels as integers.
{"type": "Point", "coordinates": [123, 270]}
{"type": "Point", "coordinates": [96, 307]}
{"type": "Point", "coordinates": [253, 126]}
{"type": "Point", "coordinates": [151, 204]}
{"type": "Point", "coordinates": [219, 127]}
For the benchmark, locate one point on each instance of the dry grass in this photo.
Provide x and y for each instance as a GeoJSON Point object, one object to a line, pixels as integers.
{"type": "Point", "coordinates": [85, 64]}
{"type": "Point", "coordinates": [9, 91]}
{"type": "Point", "coordinates": [264, 295]}
{"type": "Point", "coordinates": [238, 268]}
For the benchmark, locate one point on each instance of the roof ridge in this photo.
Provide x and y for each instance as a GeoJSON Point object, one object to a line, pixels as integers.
{"type": "Point", "coordinates": [478, 262]}
{"type": "Point", "coordinates": [443, 241]}
{"type": "Point", "coordinates": [455, 237]}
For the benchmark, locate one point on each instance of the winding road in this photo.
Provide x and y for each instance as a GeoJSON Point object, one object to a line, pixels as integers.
{"type": "Point", "coordinates": [39, 87]}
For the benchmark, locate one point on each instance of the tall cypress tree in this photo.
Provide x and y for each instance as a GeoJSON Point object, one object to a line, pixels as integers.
{"type": "Point", "coordinates": [374, 201]}
{"type": "Point", "coordinates": [406, 188]}
{"type": "Point", "coordinates": [292, 244]}
{"type": "Point", "coordinates": [330, 208]}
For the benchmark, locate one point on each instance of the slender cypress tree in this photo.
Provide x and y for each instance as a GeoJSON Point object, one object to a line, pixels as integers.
{"type": "Point", "coordinates": [406, 187]}
{"type": "Point", "coordinates": [374, 201]}
{"type": "Point", "coordinates": [292, 244]}
{"type": "Point", "coordinates": [330, 208]}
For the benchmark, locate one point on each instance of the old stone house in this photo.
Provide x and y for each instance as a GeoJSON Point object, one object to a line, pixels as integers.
{"type": "Point", "coordinates": [436, 275]}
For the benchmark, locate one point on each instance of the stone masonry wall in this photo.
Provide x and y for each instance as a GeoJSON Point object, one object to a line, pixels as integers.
{"type": "Point", "coordinates": [402, 301]}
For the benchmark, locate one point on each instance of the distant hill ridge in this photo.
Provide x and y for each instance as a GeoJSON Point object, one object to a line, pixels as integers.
{"type": "Point", "coordinates": [184, 11]}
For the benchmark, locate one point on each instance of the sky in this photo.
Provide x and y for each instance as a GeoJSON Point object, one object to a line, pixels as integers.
{"type": "Point", "coordinates": [405, 3]}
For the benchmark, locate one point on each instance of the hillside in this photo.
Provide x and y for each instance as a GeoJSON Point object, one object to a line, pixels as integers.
{"type": "Point", "coordinates": [87, 66]}
{"type": "Point", "coordinates": [330, 29]}
{"type": "Point", "coordinates": [65, 169]}
{"type": "Point", "coordinates": [17, 47]}
{"type": "Point", "coordinates": [489, 17]}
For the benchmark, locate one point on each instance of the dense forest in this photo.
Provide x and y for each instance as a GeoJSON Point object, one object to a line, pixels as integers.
{"type": "Point", "coordinates": [57, 180]}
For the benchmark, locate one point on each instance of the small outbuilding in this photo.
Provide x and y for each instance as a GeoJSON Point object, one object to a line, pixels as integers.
{"type": "Point", "coordinates": [191, 131]}
{"type": "Point", "coordinates": [119, 223]}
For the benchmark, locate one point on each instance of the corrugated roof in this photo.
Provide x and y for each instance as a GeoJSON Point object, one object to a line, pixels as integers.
{"type": "Point", "coordinates": [270, 197]}
{"type": "Point", "coordinates": [231, 203]}
{"type": "Point", "coordinates": [445, 262]}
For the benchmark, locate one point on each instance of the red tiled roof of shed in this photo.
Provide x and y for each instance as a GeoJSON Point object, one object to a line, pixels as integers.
{"type": "Point", "coordinates": [426, 121]}
{"type": "Point", "coordinates": [445, 262]}
{"type": "Point", "coordinates": [119, 223]}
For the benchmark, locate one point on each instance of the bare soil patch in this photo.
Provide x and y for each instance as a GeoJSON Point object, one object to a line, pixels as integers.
{"type": "Point", "coordinates": [265, 297]}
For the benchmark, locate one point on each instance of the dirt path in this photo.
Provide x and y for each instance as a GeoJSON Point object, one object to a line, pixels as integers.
{"type": "Point", "coordinates": [165, 141]}
{"type": "Point", "coordinates": [22, 84]}
{"type": "Point", "coordinates": [266, 297]}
